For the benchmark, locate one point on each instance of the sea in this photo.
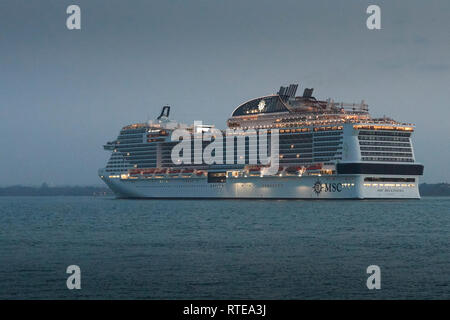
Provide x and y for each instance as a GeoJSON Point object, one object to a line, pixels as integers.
{"type": "Point", "coordinates": [223, 249]}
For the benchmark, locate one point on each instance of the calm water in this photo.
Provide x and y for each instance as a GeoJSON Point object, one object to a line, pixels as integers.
{"type": "Point", "coordinates": [223, 249]}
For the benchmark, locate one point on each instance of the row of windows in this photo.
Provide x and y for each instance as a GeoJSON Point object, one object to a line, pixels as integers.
{"type": "Point", "coordinates": [128, 143]}
{"type": "Point", "coordinates": [327, 149]}
{"type": "Point", "coordinates": [327, 159]}
{"type": "Point", "coordinates": [282, 141]}
{"type": "Point", "coordinates": [380, 168]}
{"type": "Point", "coordinates": [129, 136]}
{"type": "Point", "coordinates": [286, 147]}
{"type": "Point", "coordinates": [384, 179]}
{"type": "Point", "coordinates": [141, 160]}
{"type": "Point", "coordinates": [376, 138]}
{"type": "Point", "coordinates": [137, 158]}
{"type": "Point", "coordinates": [293, 155]}
{"type": "Point", "coordinates": [125, 139]}
{"type": "Point", "coordinates": [284, 159]}
{"type": "Point", "coordinates": [302, 130]}
{"type": "Point", "coordinates": [108, 166]}
{"type": "Point", "coordinates": [168, 153]}
{"type": "Point", "coordinates": [141, 153]}
{"type": "Point", "coordinates": [332, 133]}
{"type": "Point", "coordinates": [376, 143]}
{"type": "Point", "coordinates": [325, 154]}
{"type": "Point", "coordinates": [141, 144]}
{"type": "Point", "coordinates": [387, 159]}
{"type": "Point", "coordinates": [143, 164]}
{"type": "Point", "coordinates": [144, 147]}
{"type": "Point", "coordinates": [294, 140]}
{"type": "Point", "coordinates": [302, 152]}
{"type": "Point", "coordinates": [171, 164]}
{"type": "Point", "coordinates": [289, 143]}
{"type": "Point", "coordinates": [386, 149]}
{"type": "Point", "coordinates": [321, 144]}
{"type": "Point", "coordinates": [296, 134]}
{"type": "Point", "coordinates": [295, 150]}
{"type": "Point", "coordinates": [389, 154]}
{"type": "Point", "coordinates": [385, 133]}
{"type": "Point", "coordinates": [297, 119]}
{"type": "Point", "coordinates": [133, 131]}
{"type": "Point", "coordinates": [296, 160]}
{"type": "Point", "coordinates": [377, 185]}
{"type": "Point", "coordinates": [328, 139]}
{"type": "Point", "coordinates": [115, 162]}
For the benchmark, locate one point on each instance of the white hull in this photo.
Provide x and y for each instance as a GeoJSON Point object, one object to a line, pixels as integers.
{"type": "Point", "coordinates": [290, 187]}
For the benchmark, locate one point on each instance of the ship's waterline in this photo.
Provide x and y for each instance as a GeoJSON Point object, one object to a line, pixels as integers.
{"type": "Point", "coordinates": [306, 148]}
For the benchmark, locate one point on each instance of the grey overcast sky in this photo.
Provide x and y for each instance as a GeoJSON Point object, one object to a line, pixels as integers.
{"type": "Point", "coordinates": [65, 93]}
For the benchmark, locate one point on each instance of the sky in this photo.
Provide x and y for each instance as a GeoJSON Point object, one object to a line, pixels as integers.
{"type": "Point", "coordinates": [64, 93]}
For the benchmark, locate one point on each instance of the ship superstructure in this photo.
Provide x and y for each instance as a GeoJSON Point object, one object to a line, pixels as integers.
{"type": "Point", "coordinates": [327, 150]}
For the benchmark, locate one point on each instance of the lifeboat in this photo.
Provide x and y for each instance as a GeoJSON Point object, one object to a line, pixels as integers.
{"type": "Point", "coordinates": [148, 171]}
{"type": "Point", "coordinates": [200, 173]}
{"type": "Point", "coordinates": [314, 167]}
{"type": "Point", "coordinates": [174, 172]}
{"type": "Point", "coordinates": [254, 171]}
{"type": "Point", "coordinates": [187, 172]}
{"type": "Point", "coordinates": [134, 172]}
{"type": "Point", "coordinates": [293, 169]}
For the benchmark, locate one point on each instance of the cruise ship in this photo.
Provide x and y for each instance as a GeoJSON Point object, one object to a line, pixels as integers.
{"type": "Point", "coordinates": [325, 150]}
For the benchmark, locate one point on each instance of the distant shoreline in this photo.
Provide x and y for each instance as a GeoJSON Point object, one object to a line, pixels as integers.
{"type": "Point", "coordinates": [45, 190]}
{"type": "Point", "coordinates": [434, 189]}
{"type": "Point", "coordinates": [426, 190]}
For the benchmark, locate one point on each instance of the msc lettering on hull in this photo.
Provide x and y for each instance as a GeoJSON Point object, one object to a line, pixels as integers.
{"type": "Point", "coordinates": [327, 187]}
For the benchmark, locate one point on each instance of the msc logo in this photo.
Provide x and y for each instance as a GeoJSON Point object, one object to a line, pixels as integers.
{"type": "Point", "coordinates": [318, 187]}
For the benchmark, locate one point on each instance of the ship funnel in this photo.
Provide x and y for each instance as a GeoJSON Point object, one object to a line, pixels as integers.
{"type": "Point", "coordinates": [164, 113]}
{"type": "Point", "coordinates": [308, 92]}
{"type": "Point", "coordinates": [288, 91]}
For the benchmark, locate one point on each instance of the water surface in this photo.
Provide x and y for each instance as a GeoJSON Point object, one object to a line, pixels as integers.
{"type": "Point", "coordinates": [239, 249]}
